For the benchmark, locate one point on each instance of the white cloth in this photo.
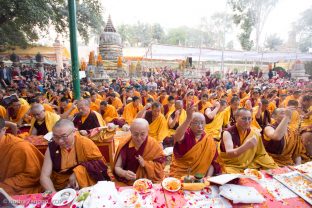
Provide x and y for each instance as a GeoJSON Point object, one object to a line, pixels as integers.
{"type": "Point", "coordinates": [241, 194]}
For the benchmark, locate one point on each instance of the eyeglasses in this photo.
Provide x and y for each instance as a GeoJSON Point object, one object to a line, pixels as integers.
{"type": "Point", "coordinates": [37, 114]}
{"type": "Point", "coordinates": [246, 119]}
{"type": "Point", "coordinates": [63, 137]}
{"type": "Point", "coordinates": [198, 123]}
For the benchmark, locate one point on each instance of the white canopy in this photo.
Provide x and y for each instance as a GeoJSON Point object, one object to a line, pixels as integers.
{"type": "Point", "coordinates": [167, 52]}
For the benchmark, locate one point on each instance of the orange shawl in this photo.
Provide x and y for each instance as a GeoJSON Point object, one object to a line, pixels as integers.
{"type": "Point", "coordinates": [153, 170]}
{"type": "Point", "coordinates": [20, 164]}
{"type": "Point", "coordinates": [198, 159]}
{"type": "Point", "coordinates": [86, 150]}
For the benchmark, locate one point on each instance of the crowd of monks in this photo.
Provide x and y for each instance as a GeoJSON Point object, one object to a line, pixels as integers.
{"type": "Point", "coordinates": [212, 129]}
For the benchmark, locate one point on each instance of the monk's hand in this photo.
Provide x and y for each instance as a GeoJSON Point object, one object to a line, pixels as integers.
{"type": "Point", "coordinates": [83, 132]}
{"type": "Point", "coordinates": [288, 112]}
{"type": "Point", "coordinates": [177, 113]}
{"type": "Point", "coordinates": [251, 143]}
{"type": "Point", "coordinates": [129, 175]}
{"type": "Point", "coordinates": [217, 104]}
{"type": "Point", "coordinates": [141, 160]}
{"type": "Point", "coordinates": [189, 111]}
{"type": "Point", "coordinates": [73, 183]}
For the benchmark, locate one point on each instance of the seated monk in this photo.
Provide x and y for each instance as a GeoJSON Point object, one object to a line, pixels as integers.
{"type": "Point", "coordinates": [131, 109]}
{"type": "Point", "coordinates": [229, 118]}
{"type": "Point", "coordinates": [42, 121]}
{"type": "Point", "coordinates": [71, 160]}
{"type": "Point", "coordinates": [241, 147]}
{"type": "Point", "coordinates": [194, 151]}
{"type": "Point", "coordinates": [203, 104]}
{"type": "Point", "coordinates": [109, 114]}
{"type": "Point", "coordinates": [306, 124]}
{"type": "Point", "coordinates": [214, 119]}
{"type": "Point", "coordinates": [20, 164]}
{"type": "Point", "coordinates": [281, 142]}
{"type": "Point", "coordinates": [169, 107]}
{"type": "Point", "coordinates": [67, 108]}
{"type": "Point", "coordinates": [262, 116]}
{"type": "Point", "coordinates": [158, 127]}
{"type": "Point", "coordinates": [139, 156]}
{"type": "Point", "coordinates": [87, 119]}
{"type": "Point", "coordinates": [17, 111]}
{"type": "Point", "coordinates": [177, 117]}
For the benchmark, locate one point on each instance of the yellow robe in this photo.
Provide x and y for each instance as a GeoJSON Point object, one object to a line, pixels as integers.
{"type": "Point", "coordinates": [214, 128]}
{"type": "Point", "coordinates": [198, 159]}
{"type": "Point", "coordinates": [24, 108]}
{"type": "Point", "coordinates": [256, 158]}
{"type": "Point", "coordinates": [158, 129]}
{"type": "Point", "coordinates": [2, 111]}
{"type": "Point", "coordinates": [226, 116]}
{"type": "Point", "coordinates": [153, 169]}
{"type": "Point", "coordinates": [20, 164]}
{"type": "Point", "coordinates": [117, 103]}
{"type": "Point", "coordinates": [293, 148]}
{"type": "Point", "coordinates": [130, 112]}
{"type": "Point", "coordinates": [50, 119]}
{"type": "Point", "coordinates": [85, 150]}
{"type": "Point", "coordinates": [110, 113]}
{"type": "Point", "coordinates": [182, 118]}
{"type": "Point", "coordinates": [294, 121]}
{"type": "Point", "coordinates": [306, 123]}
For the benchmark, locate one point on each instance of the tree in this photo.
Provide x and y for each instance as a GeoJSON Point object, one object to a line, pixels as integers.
{"type": "Point", "coordinates": [308, 67]}
{"type": "Point", "coordinates": [250, 15]}
{"type": "Point", "coordinates": [158, 32]}
{"type": "Point", "coordinates": [22, 22]}
{"type": "Point", "coordinates": [303, 28]}
{"type": "Point", "coordinates": [273, 42]}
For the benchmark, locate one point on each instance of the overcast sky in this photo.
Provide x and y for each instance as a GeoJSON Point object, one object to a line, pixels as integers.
{"type": "Point", "coordinates": [173, 13]}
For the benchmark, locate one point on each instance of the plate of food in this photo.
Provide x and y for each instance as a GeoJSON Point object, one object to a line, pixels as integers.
{"type": "Point", "coordinates": [143, 185]}
{"type": "Point", "coordinates": [83, 194]}
{"type": "Point", "coordinates": [171, 184]}
{"type": "Point", "coordinates": [254, 174]}
{"type": "Point", "coordinates": [63, 197]}
{"type": "Point", "coordinates": [129, 197]}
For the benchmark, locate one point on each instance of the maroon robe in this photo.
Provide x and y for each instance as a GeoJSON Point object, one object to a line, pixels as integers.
{"type": "Point", "coordinates": [41, 128]}
{"type": "Point", "coordinates": [180, 149]}
{"type": "Point", "coordinates": [235, 137]}
{"type": "Point", "coordinates": [272, 146]}
{"type": "Point", "coordinates": [91, 121]}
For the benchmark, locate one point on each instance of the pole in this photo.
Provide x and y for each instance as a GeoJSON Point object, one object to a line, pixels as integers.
{"type": "Point", "coordinates": [73, 47]}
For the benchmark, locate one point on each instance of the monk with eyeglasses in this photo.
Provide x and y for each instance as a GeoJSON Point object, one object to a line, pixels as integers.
{"type": "Point", "coordinates": [71, 160]}
{"type": "Point", "coordinates": [241, 147]}
{"type": "Point", "coordinates": [194, 151]}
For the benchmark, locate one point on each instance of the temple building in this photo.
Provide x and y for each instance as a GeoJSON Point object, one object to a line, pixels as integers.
{"type": "Point", "coordinates": [110, 46]}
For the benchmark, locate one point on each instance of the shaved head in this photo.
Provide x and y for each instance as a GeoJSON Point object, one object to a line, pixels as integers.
{"type": "Point", "coordinates": [139, 131]}
{"type": "Point", "coordinates": [64, 123]}
{"type": "Point", "coordinates": [198, 116]}
{"type": "Point", "coordinates": [36, 107]}
{"type": "Point", "coordinates": [139, 122]}
{"type": "Point", "coordinates": [84, 102]}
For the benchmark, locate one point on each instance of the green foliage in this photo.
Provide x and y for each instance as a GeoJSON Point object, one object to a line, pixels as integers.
{"type": "Point", "coordinates": [21, 22]}
{"type": "Point", "coordinates": [273, 42]}
{"type": "Point", "coordinates": [250, 15]}
{"type": "Point", "coordinates": [303, 28]}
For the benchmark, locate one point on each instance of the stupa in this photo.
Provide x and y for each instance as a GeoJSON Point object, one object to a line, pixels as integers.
{"type": "Point", "coordinates": [298, 71]}
{"type": "Point", "coordinates": [110, 46]}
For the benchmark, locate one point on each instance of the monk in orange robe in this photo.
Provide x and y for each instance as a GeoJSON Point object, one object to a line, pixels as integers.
{"type": "Point", "coordinates": [108, 112]}
{"type": "Point", "coordinates": [115, 101]}
{"type": "Point", "coordinates": [306, 123]}
{"type": "Point", "coordinates": [229, 112]}
{"type": "Point", "coordinates": [169, 108]}
{"type": "Point", "coordinates": [87, 119]}
{"type": "Point", "coordinates": [282, 143]}
{"type": "Point", "coordinates": [203, 104]}
{"type": "Point", "coordinates": [158, 127]}
{"type": "Point", "coordinates": [71, 160]}
{"type": "Point", "coordinates": [194, 150]}
{"type": "Point", "coordinates": [20, 164]}
{"type": "Point", "coordinates": [241, 147]}
{"type": "Point", "coordinates": [139, 156]}
{"type": "Point", "coordinates": [163, 98]}
{"type": "Point", "coordinates": [42, 121]}
{"type": "Point", "coordinates": [17, 111]}
{"type": "Point", "coordinates": [131, 110]}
